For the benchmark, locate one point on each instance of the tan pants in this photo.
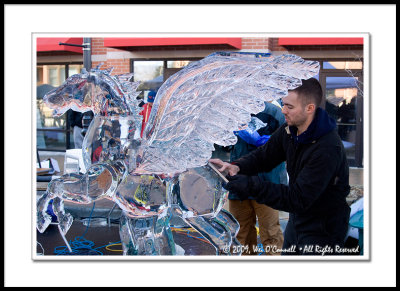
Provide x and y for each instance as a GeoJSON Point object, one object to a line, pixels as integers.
{"type": "Point", "coordinates": [271, 235]}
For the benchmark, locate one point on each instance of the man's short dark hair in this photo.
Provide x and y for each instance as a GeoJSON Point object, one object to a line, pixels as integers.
{"type": "Point", "coordinates": [310, 92]}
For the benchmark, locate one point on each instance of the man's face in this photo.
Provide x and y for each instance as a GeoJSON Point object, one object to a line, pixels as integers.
{"type": "Point", "coordinates": [293, 110]}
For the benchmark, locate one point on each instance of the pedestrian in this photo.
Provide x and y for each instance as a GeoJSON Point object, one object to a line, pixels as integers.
{"type": "Point", "coordinates": [75, 122]}
{"type": "Point", "coordinates": [318, 175]}
{"type": "Point", "coordinates": [248, 212]}
{"type": "Point", "coordinates": [147, 109]}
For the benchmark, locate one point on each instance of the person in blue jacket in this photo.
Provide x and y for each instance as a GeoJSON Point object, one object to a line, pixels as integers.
{"type": "Point", "coordinates": [248, 212]}
{"type": "Point", "coordinates": [318, 175]}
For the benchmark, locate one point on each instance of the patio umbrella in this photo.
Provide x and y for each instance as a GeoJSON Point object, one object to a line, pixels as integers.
{"type": "Point", "coordinates": [341, 82]}
{"type": "Point", "coordinates": [153, 84]}
{"type": "Point", "coordinates": [43, 90]}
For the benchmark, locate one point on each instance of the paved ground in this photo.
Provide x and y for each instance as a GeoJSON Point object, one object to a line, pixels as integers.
{"type": "Point", "coordinates": [105, 241]}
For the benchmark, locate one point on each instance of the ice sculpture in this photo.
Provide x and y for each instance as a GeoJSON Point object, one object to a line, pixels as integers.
{"type": "Point", "coordinates": [166, 171]}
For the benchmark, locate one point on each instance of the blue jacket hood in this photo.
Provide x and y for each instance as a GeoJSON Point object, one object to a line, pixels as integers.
{"type": "Point", "coordinates": [321, 125]}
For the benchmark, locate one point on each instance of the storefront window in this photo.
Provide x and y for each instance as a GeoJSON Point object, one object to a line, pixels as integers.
{"type": "Point", "coordinates": [51, 140]}
{"type": "Point", "coordinates": [51, 74]}
{"type": "Point", "coordinates": [177, 64]}
{"type": "Point", "coordinates": [148, 70]}
{"type": "Point", "coordinates": [52, 132]}
{"type": "Point", "coordinates": [74, 69]}
{"type": "Point", "coordinates": [47, 120]}
{"type": "Point", "coordinates": [341, 95]}
{"type": "Point", "coordinates": [153, 73]}
{"type": "Point", "coordinates": [343, 65]}
{"type": "Point", "coordinates": [150, 74]}
{"type": "Point", "coordinates": [342, 84]}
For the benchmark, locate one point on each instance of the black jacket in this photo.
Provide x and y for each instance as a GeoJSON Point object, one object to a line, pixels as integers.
{"type": "Point", "coordinates": [316, 165]}
{"type": "Point", "coordinates": [74, 118]}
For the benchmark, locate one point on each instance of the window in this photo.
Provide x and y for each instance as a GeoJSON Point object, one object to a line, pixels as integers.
{"type": "Point", "coordinates": [341, 96]}
{"type": "Point", "coordinates": [153, 73]}
{"type": "Point", "coordinates": [74, 69]}
{"type": "Point", "coordinates": [342, 65]}
{"type": "Point", "coordinates": [53, 133]}
{"type": "Point", "coordinates": [150, 74]}
{"type": "Point", "coordinates": [342, 84]}
{"type": "Point", "coordinates": [177, 64]}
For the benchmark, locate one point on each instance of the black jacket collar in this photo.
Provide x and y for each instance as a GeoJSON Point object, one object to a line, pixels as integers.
{"type": "Point", "coordinates": [321, 125]}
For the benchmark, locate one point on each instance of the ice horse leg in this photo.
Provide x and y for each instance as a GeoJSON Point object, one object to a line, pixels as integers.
{"type": "Point", "coordinates": [233, 225]}
{"type": "Point", "coordinates": [144, 236]}
{"type": "Point", "coordinates": [64, 219]}
{"type": "Point", "coordinates": [198, 198]}
{"type": "Point", "coordinates": [215, 231]}
{"type": "Point", "coordinates": [100, 181]}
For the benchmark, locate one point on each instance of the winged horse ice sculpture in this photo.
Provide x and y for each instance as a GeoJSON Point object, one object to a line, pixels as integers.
{"type": "Point", "coordinates": [166, 172]}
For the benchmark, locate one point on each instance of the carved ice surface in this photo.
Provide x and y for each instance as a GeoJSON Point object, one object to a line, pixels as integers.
{"type": "Point", "coordinates": [255, 124]}
{"type": "Point", "coordinates": [97, 91]}
{"type": "Point", "coordinates": [166, 171]}
{"type": "Point", "coordinates": [111, 138]}
{"type": "Point", "coordinates": [141, 196]}
{"type": "Point", "coordinates": [146, 236]}
{"type": "Point", "coordinates": [206, 101]}
{"type": "Point", "coordinates": [201, 192]}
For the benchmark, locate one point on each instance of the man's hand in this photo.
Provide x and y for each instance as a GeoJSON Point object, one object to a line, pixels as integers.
{"type": "Point", "coordinates": [225, 168]}
{"type": "Point", "coordinates": [243, 186]}
{"type": "Point", "coordinates": [239, 185]}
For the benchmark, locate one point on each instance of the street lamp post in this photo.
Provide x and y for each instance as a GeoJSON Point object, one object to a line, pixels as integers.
{"type": "Point", "coordinates": [87, 59]}
{"type": "Point", "coordinates": [87, 63]}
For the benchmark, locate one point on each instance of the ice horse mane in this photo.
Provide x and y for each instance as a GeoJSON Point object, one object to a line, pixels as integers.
{"type": "Point", "coordinates": [97, 91]}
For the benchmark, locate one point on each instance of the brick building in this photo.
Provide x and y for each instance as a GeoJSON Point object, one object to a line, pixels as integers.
{"type": "Point", "coordinates": [153, 60]}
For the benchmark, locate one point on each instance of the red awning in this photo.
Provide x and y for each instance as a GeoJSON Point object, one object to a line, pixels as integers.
{"type": "Point", "coordinates": [320, 41]}
{"type": "Point", "coordinates": [171, 41]}
{"type": "Point", "coordinates": [47, 44]}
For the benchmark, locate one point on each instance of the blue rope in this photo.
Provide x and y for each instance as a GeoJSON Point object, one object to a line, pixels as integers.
{"type": "Point", "coordinates": [80, 245]}
{"type": "Point", "coordinates": [90, 217]}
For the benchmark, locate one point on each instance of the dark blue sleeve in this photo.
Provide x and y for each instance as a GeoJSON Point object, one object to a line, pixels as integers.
{"type": "Point", "coordinates": [265, 157]}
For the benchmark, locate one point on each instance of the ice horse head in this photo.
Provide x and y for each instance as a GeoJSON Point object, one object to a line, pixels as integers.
{"type": "Point", "coordinates": [97, 91]}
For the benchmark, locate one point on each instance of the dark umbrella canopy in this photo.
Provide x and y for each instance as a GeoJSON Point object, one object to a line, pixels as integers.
{"type": "Point", "coordinates": [43, 90]}
{"type": "Point", "coordinates": [153, 84]}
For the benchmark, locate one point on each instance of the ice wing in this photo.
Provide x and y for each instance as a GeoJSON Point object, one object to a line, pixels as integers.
{"type": "Point", "coordinates": [203, 104]}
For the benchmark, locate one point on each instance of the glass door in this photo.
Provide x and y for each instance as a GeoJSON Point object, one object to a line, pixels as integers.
{"type": "Point", "coordinates": [344, 103]}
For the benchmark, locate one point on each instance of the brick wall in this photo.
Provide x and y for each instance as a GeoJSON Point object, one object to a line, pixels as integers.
{"type": "Point", "coordinates": [254, 43]}
{"type": "Point", "coordinates": [98, 46]}
{"type": "Point", "coordinates": [121, 66]}
{"type": "Point", "coordinates": [274, 46]}
{"type": "Point", "coordinates": [262, 43]}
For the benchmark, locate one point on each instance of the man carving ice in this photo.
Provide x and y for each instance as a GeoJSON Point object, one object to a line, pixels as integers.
{"type": "Point", "coordinates": [317, 168]}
